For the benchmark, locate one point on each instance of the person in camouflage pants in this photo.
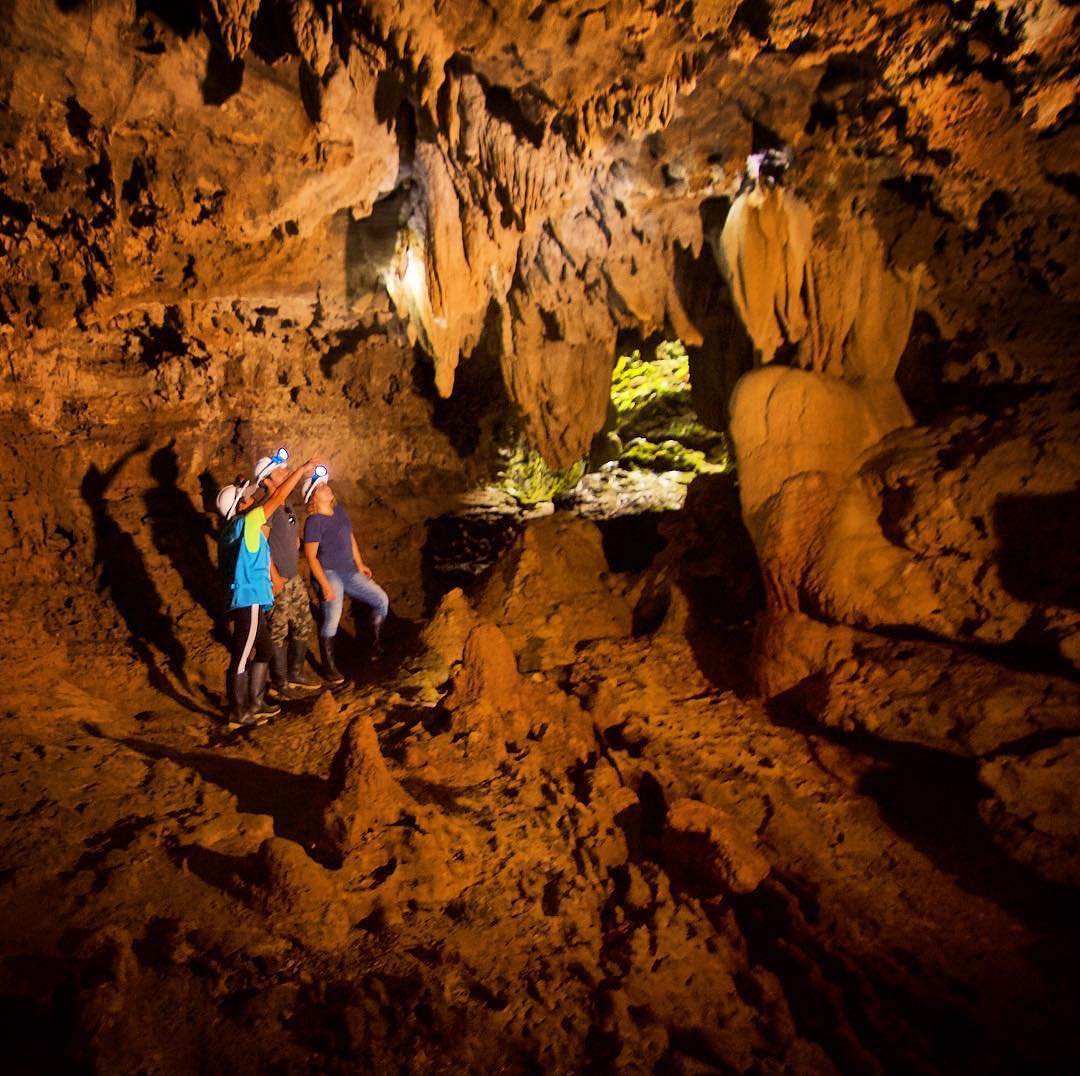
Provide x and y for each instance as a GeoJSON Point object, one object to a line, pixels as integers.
{"type": "Point", "coordinates": [291, 616]}
{"type": "Point", "coordinates": [291, 623]}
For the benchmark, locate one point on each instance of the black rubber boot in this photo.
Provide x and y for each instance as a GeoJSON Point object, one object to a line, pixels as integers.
{"type": "Point", "coordinates": [376, 637]}
{"type": "Point", "coordinates": [279, 675]}
{"type": "Point", "coordinates": [331, 673]}
{"type": "Point", "coordinates": [299, 678]}
{"type": "Point", "coordinates": [260, 708]}
{"type": "Point", "coordinates": [240, 715]}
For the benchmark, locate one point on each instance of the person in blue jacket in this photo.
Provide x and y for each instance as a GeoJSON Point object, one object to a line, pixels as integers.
{"type": "Point", "coordinates": [244, 559]}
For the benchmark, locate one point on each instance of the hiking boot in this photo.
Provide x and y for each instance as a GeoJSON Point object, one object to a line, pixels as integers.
{"type": "Point", "coordinates": [299, 678]}
{"type": "Point", "coordinates": [247, 721]}
{"type": "Point", "coordinates": [279, 678]}
{"type": "Point", "coordinates": [377, 650]}
{"type": "Point", "coordinates": [259, 706]}
{"type": "Point", "coordinates": [331, 673]}
{"type": "Point", "coordinates": [237, 688]}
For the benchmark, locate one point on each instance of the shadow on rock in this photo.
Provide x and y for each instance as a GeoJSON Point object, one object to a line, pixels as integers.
{"type": "Point", "coordinates": [180, 532]}
{"type": "Point", "coordinates": [132, 589]}
{"type": "Point", "coordinates": [930, 799]}
{"type": "Point", "coordinates": [294, 801]}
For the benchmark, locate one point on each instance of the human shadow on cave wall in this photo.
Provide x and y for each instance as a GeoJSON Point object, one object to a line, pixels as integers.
{"type": "Point", "coordinates": [132, 590]}
{"type": "Point", "coordinates": [179, 531]}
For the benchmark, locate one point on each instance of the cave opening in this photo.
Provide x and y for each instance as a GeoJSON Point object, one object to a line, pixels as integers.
{"type": "Point", "coordinates": [652, 446]}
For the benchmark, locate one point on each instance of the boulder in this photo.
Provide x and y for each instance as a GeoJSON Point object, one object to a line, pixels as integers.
{"type": "Point", "coordinates": [709, 844]}
{"type": "Point", "coordinates": [552, 591]}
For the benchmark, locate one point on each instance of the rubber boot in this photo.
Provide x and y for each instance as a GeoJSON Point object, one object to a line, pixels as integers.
{"type": "Point", "coordinates": [279, 675]}
{"type": "Point", "coordinates": [240, 715]}
{"type": "Point", "coordinates": [331, 673]}
{"type": "Point", "coordinates": [257, 677]}
{"type": "Point", "coordinates": [376, 637]}
{"type": "Point", "coordinates": [299, 678]}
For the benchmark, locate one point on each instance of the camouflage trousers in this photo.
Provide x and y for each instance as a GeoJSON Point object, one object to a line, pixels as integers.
{"type": "Point", "coordinates": [291, 614]}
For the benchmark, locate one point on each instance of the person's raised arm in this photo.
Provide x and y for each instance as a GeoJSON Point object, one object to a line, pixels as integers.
{"type": "Point", "coordinates": [281, 494]}
{"type": "Point", "coordinates": [311, 551]}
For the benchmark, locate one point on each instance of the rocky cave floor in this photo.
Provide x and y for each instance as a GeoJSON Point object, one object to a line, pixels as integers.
{"type": "Point", "coordinates": [552, 831]}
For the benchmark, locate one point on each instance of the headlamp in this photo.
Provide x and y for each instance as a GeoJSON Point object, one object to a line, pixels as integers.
{"type": "Point", "coordinates": [271, 463]}
{"type": "Point", "coordinates": [319, 476]}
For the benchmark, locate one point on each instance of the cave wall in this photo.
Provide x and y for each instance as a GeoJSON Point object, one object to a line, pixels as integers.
{"type": "Point", "coordinates": [227, 221]}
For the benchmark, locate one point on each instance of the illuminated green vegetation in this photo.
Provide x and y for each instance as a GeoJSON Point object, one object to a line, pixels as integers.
{"type": "Point", "coordinates": [655, 421]}
{"type": "Point", "coordinates": [529, 480]}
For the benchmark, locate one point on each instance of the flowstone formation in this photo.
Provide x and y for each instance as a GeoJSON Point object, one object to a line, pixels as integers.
{"type": "Point", "coordinates": [771, 771]}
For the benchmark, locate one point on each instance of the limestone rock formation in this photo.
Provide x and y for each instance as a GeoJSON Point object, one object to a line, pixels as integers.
{"type": "Point", "coordinates": [552, 592]}
{"type": "Point", "coordinates": [783, 780]}
{"type": "Point", "coordinates": [299, 895]}
{"type": "Point", "coordinates": [363, 795]}
{"type": "Point", "coordinates": [1033, 810]}
{"type": "Point", "coordinates": [703, 840]}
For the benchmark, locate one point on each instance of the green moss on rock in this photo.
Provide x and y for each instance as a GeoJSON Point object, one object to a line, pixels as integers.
{"type": "Point", "coordinates": [655, 417]}
{"type": "Point", "coordinates": [529, 480]}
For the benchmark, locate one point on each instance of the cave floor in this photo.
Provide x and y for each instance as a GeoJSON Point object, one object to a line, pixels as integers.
{"type": "Point", "coordinates": [536, 919]}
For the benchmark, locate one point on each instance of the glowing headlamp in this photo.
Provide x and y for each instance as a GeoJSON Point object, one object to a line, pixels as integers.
{"type": "Point", "coordinates": [318, 477]}
{"type": "Point", "coordinates": [271, 463]}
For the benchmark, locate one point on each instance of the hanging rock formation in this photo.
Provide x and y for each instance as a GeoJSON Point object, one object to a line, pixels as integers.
{"type": "Point", "coordinates": [782, 781]}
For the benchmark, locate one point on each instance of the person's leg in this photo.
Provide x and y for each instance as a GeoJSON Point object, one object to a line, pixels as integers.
{"type": "Point", "coordinates": [301, 626]}
{"type": "Point", "coordinates": [331, 618]}
{"type": "Point", "coordinates": [331, 610]}
{"type": "Point", "coordinates": [369, 593]}
{"type": "Point", "coordinates": [279, 634]}
{"type": "Point", "coordinates": [244, 624]}
{"type": "Point", "coordinates": [263, 651]}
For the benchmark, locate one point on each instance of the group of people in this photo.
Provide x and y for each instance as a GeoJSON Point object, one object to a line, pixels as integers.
{"type": "Point", "coordinates": [269, 609]}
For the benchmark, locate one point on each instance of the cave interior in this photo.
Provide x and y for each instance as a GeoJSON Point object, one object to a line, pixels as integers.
{"type": "Point", "coordinates": [701, 380]}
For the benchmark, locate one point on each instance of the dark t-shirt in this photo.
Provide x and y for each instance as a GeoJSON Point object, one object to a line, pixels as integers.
{"type": "Point", "coordinates": [334, 535]}
{"type": "Point", "coordinates": [285, 541]}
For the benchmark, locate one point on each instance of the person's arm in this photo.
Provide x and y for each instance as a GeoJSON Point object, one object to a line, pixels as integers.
{"type": "Point", "coordinates": [281, 494]}
{"type": "Point", "coordinates": [359, 560]}
{"type": "Point", "coordinates": [311, 551]}
{"type": "Point", "coordinates": [277, 581]}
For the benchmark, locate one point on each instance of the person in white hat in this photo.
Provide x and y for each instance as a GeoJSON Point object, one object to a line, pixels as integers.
{"type": "Point", "coordinates": [337, 569]}
{"type": "Point", "coordinates": [244, 558]}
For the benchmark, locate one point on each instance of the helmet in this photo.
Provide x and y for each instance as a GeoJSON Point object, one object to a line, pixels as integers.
{"type": "Point", "coordinates": [228, 500]}
{"type": "Point", "coordinates": [319, 477]}
{"type": "Point", "coordinates": [271, 463]}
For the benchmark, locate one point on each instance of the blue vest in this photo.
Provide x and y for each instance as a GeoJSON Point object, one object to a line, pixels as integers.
{"type": "Point", "coordinates": [246, 571]}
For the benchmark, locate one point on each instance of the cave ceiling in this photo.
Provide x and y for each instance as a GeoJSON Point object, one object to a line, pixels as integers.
{"type": "Point", "coordinates": [530, 180]}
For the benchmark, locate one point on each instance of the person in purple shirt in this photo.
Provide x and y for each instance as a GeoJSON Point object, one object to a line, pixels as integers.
{"type": "Point", "coordinates": [338, 569]}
